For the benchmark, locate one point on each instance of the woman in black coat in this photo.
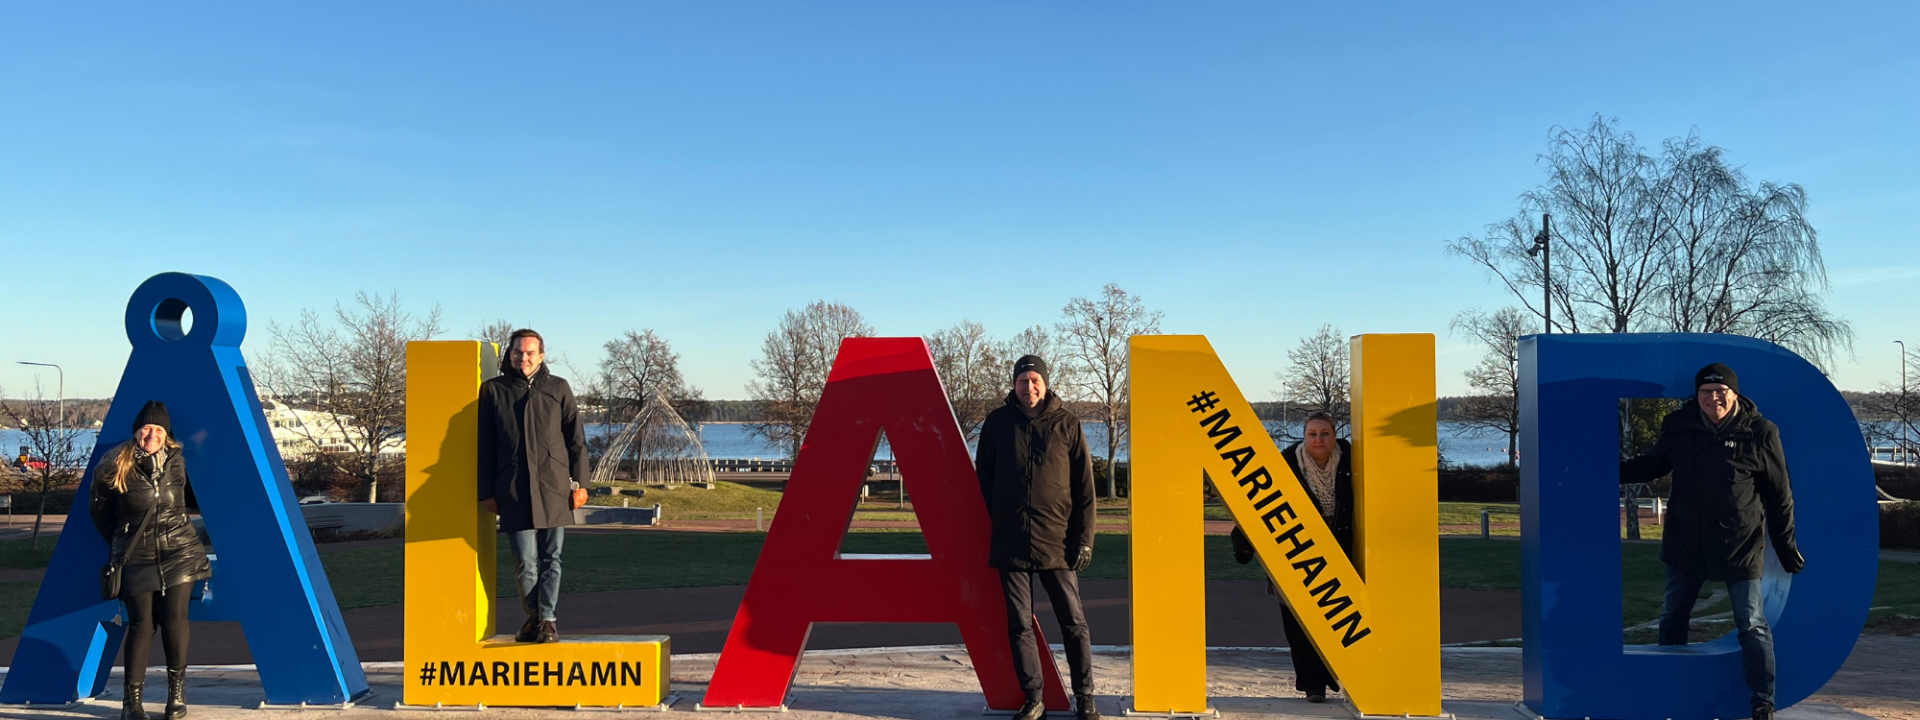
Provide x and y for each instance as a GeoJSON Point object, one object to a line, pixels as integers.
{"type": "Point", "coordinates": [143, 482]}
{"type": "Point", "coordinates": [1324, 464]}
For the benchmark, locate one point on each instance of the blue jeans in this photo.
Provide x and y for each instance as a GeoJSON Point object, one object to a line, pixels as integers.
{"type": "Point", "coordinates": [536, 560]}
{"type": "Point", "coordinates": [1749, 618]}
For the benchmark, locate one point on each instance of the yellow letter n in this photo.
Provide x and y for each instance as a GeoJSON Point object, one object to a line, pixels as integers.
{"type": "Point", "coordinates": [1379, 635]}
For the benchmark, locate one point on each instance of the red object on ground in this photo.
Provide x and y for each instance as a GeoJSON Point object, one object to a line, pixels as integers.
{"type": "Point", "coordinates": [801, 578]}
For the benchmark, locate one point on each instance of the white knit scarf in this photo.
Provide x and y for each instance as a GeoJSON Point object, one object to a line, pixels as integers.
{"type": "Point", "coordinates": [1319, 479]}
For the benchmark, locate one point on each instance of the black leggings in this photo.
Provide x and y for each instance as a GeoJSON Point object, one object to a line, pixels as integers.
{"type": "Point", "coordinates": [172, 617]}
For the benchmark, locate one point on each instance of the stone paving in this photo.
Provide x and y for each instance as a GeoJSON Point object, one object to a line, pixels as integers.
{"type": "Point", "coordinates": [1879, 680]}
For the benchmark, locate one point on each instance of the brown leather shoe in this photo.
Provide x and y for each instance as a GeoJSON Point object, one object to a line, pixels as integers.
{"type": "Point", "coordinates": [549, 632]}
{"type": "Point", "coordinates": [529, 630]}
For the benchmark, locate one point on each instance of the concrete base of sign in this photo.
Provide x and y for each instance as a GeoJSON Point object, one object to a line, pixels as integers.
{"type": "Point", "coordinates": [311, 706]}
{"type": "Point", "coordinates": [664, 706]}
{"type": "Point", "coordinates": [1126, 708]}
{"type": "Point", "coordinates": [61, 706]}
{"type": "Point", "coordinates": [1348, 704]}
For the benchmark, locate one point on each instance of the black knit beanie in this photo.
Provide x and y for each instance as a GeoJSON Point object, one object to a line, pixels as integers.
{"type": "Point", "coordinates": [1717, 373]}
{"type": "Point", "coordinates": [153, 413]}
{"type": "Point", "coordinates": [1030, 363]}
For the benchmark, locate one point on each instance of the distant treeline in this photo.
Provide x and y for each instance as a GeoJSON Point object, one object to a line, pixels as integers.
{"type": "Point", "coordinates": [81, 412]}
{"type": "Point", "coordinates": [87, 411]}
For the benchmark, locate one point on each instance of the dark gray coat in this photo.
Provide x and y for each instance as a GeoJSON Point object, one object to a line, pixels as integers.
{"type": "Point", "coordinates": [533, 449]}
{"type": "Point", "coordinates": [1342, 521]}
{"type": "Point", "coordinates": [1037, 477]}
{"type": "Point", "coordinates": [1729, 486]}
{"type": "Point", "coordinates": [168, 552]}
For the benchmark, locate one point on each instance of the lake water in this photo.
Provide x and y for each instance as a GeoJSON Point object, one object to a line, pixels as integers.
{"type": "Point", "coordinates": [1461, 444]}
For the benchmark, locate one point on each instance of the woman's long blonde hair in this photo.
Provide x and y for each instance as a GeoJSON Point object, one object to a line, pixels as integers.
{"type": "Point", "coordinates": [123, 459]}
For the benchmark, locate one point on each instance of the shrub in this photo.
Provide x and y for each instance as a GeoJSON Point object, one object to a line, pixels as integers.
{"type": "Point", "coordinates": [1479, 484]}
{"type": "Point", "coordinates": [1900, 525]}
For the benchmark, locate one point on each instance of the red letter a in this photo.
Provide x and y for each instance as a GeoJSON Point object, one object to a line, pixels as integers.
{"type": "Point", "coordinates": [802, 579]}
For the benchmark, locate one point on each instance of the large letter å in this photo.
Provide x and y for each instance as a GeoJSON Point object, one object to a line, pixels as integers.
{"type": "Point", "coordinates": [267, 574]}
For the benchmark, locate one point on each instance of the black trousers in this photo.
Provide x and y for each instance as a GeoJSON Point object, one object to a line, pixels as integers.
{"type": "Point", "coordinates": [169, 611]}
{"type": "Point", "coordinates": [1063, 591]}
{"type": "Point", "coordinates": [1310, 674]}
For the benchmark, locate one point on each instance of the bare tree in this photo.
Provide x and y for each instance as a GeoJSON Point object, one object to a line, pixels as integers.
{"type": "Point", "coordinates": [1893, 414]}
{"type": "Point", "coordinates": [640, 370]}
{"type": "Point", "coordinates": [1317, 377]}
{"type": "Point", "coordinates": [53, 460]}
{"type": "Point", "coordinates": [351, 375]}
{"type": "Point", "coordinates": [1092, 342]}
{"type": "Point", "coordinates": [1496, 380]}
{"type": "Point", "coordinates": [1679, 242]}
{"type": "Point", "coordinates": [1740, 259]}
{"type": "Point", "coordinates": [1598, 190]}
{"type": "Point", "coordinates": [792, 369]}
{"type": "Point", "coordinates": [974, 372]}
{"type": "Point", "coordinates": [496, 332]}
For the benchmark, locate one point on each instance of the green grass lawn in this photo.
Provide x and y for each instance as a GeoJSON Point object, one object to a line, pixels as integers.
{"type": "Point", "coordinates": [16, 598]}
{"type": "Point", "coordinates": [725, 500]}
{"type": "Point", "coordinates": [15, 553]}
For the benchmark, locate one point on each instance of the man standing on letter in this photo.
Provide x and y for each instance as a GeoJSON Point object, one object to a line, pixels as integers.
{"type": "Point", "coordinates": [1037, 477]}
{"type": "Point", "coordinates": [533, 455]}
{"type": "Point", "coordinates": [1729, 484]}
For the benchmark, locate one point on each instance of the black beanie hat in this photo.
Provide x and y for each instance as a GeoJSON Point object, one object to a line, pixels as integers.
{"type": "Point", "coordinates": [1717, 373]}
{"type": "Point", "coordinates": [153, 413]}
{"type": "Point", "coordinates": [1030, 363]}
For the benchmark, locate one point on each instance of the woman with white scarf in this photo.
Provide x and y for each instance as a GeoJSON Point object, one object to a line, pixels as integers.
{"type": "Point", "coordinates": [1323, 463]}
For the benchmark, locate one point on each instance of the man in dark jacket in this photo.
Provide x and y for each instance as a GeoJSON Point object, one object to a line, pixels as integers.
{"type": "Point", "coordinates": [1729, 485]}
{"type": "Point", "coordinates": [533, 454]}
{"type": "Point", "coordinates": [1037, 477]}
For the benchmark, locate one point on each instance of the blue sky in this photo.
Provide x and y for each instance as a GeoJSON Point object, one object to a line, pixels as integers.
{"type": "Point", "coordinates": [1251, 170]}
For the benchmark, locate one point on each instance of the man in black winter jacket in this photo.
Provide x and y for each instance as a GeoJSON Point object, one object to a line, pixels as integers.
{"type": "Point", "coordinates": [1037, 477]}
{"type": "Point", "coordinates": [1730, 496]}
{"type": "Point", "coordinates": [533, 455]}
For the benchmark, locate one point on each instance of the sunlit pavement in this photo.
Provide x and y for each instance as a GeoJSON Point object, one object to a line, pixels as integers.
{"type": "Point", "coordinates": [938, 682]}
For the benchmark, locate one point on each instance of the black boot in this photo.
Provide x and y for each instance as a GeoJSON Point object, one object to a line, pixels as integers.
{"type": "Point", "coordinates": [1033, 710]}
{"type": "Point", "coordinates": [1084, 706]}
{"type": "Point", "coordinates": [130, 707]}
{"type": "Point", "coordinates": [176, 693]}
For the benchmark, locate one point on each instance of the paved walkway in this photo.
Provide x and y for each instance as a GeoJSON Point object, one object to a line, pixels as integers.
{"type": "Point", "coordinates": [910, 683]}
{"type": "Point", "coordinates": [1238, 614]}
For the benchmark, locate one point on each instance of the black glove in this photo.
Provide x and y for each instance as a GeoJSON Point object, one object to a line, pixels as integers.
{"type": "Point", "coordinates": [1085, 558]}
{"type": "Point", "coordinates": [1791, 560]}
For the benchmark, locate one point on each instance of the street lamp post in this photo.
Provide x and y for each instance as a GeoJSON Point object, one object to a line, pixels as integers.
{"type": "Point", "coordinates": [1542, 248]}
{"type": "Point", "coordinates": [63, 389]}
{"type": "Point", "coordinates": [1905, 453]}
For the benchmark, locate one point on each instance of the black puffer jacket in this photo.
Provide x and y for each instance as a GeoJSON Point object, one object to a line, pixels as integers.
{"type": "Point", "coordinates": [1037, 477]}
{"type": "Point", "coordinates": [168, 552]}
{"type": "Point", "coordinates": [533, 448]}
{"type": "Point", "coordinates": [1342, 520]}
{"type": "Point", "coordinates": [1729, 484]}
